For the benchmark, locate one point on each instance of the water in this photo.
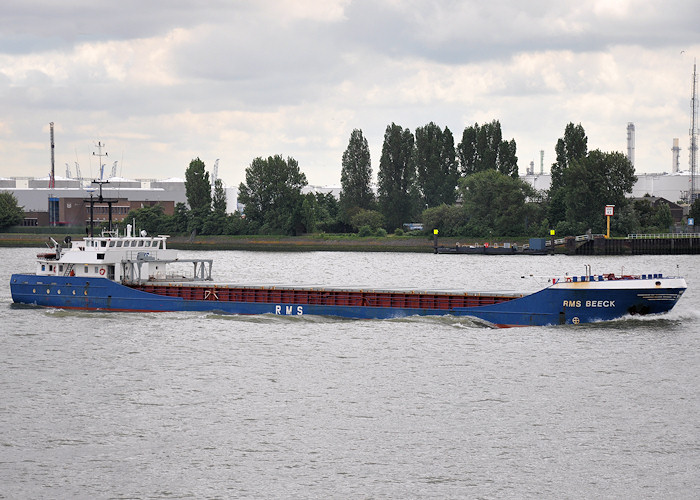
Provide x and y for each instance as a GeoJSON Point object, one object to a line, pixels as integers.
{"type": "Point", "coordinates": [173, 405]}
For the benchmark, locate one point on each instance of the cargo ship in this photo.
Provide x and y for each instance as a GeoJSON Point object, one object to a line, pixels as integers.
{"type": "Point", "coordinates": [138, 272]}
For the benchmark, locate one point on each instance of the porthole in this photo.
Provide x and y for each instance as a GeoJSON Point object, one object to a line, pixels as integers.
{"type": "Point", "coordinates": [59, 292]}
{"type": "Point", "coordinates": [33, 290]}
{"type": "Point", "coordinates": [73, 292]}
{"type": "Point", "coordinates": [48, 290]}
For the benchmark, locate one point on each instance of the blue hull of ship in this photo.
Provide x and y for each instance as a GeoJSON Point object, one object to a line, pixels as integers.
{"type": "Point", "coordinates": [549, 306]}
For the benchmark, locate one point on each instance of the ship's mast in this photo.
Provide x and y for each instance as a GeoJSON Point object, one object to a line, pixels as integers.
{"type": "Point", "coordinates": [100, 198]}
{"type": "Point", "coordinates": [99, 155]}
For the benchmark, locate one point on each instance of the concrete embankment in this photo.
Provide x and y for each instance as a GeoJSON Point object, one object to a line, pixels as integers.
{"type": "Point", "coordinates": [650, 245]}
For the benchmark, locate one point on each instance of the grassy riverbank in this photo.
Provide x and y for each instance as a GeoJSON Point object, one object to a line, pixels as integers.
{"type": "Point", "coordinates": [338, 243]}
{"type": "Point", "coordinates": [305, 243]}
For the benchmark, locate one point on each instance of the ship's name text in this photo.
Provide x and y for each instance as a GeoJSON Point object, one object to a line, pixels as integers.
{"type": "Point", "coordinates": [589, 303]}
{"type": "Point", "coordinates": [289, 310]}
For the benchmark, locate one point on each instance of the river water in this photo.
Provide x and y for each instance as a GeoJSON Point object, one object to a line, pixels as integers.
{"type": "Point", "coordinates": [173, 405]}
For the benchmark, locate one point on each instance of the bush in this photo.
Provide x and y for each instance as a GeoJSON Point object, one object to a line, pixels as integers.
{"type": "Point", "coordinates": [450, 220]}
{"type": "Point", "coordinates": [364, 231]}
{"type": "Point", "coordinates": [381, 232]}
{"type": "Point", "coordinates": [398, 231]}
{"type": "Point", "coordinates": [370, 218]}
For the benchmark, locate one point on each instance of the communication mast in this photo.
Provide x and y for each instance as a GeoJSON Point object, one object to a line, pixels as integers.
{"type": "Point", "coordinates": [693, 137]}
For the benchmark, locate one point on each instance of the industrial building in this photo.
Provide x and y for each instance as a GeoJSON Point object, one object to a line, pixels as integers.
{"type": "Point", "coordinates": [673, 187]}
{"type": "Point", "coordinates": [68, 203]}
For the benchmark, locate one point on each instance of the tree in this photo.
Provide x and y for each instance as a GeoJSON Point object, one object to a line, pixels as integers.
{"type": "Point", "coordinates": [272, 194]}
{"type": "Point", "coordinates": [11, 214]}
{"type": "Point", "coordinates": [498, 204]}
{"type": "Point", "coordinates": [219, 200]}
{"type": "Point", "coordinates": [153, 219]}
{"type": "Point", "coordinates": [507, 158]}
{"type": "Point", "coordinates": [652, 217]}
{"type": "Point", "coordinates": [370, 218]}
{"type": "Point", "coordinates": [197, 186]}
{"type": "Point", "coordinates": [573, 146]}
{"type": "Point", "coordinates": [436, 165]}
{"type": "Point", "coordinates": [398, 196]}
{"type": "Point", "coordinates": [356, 174]}
{"type": "Point", "coordinates": [483, 148]}
{"type": "Point", "coordinates": [663, 220]}
{"type": "Point", "coordinates": [449, 220]}
{"type": "Point", "coordinates": [695, 211]}
{"type": "Point", "coordinates": [198, 192]}
{"type": "Point", "coordinates": [592, 182]}
{"type": "Point", "coordinates": [326, 213]}
{"type": "Point", "coordinates": [181, 218]}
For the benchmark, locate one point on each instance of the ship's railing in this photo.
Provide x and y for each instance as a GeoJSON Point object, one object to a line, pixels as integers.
{"type": "Point", "coordinates": [142, 254]}
{"type": "Point", "coordinates": [661, 236]}
{"type": "Point", "coordinates": [132, 270]}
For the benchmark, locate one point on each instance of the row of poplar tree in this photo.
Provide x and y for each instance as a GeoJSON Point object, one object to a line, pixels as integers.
{"type": "Point", "coordinates": [471, 189]}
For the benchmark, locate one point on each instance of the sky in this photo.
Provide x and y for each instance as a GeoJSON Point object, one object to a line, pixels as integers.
{"type": "Point", "coordinates": [161, 82]}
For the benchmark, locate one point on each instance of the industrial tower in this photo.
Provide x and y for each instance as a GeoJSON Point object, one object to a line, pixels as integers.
{"type": "Point", "coordinates": [630, 142]}
{"type": "Point", "coordinates": [693, 137]}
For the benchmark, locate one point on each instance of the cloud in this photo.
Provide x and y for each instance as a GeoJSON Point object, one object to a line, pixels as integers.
{"type": "Point", "coordinates": [164, 82]}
